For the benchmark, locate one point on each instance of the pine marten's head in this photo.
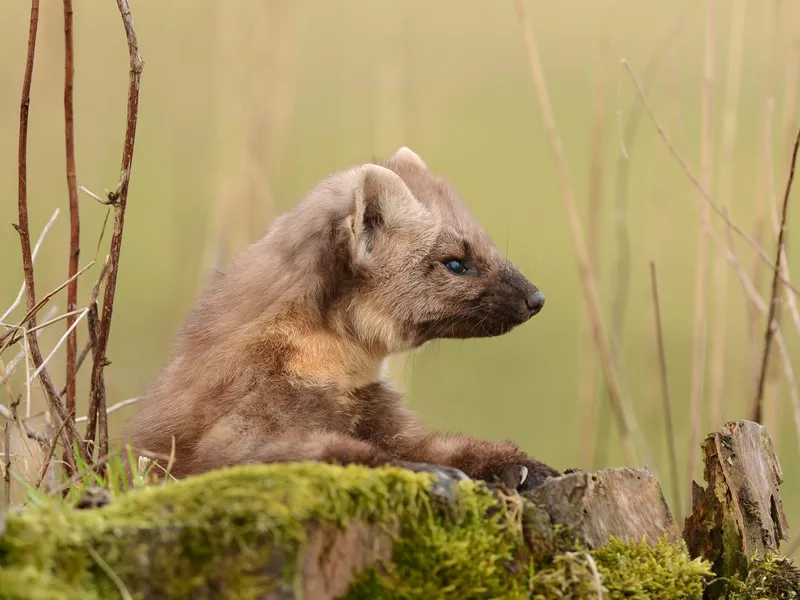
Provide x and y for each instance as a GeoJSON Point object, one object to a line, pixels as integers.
{"type": "Point", "coordinates": [423, 268]}
{"type": "Point", "coordinates": [377, 259]}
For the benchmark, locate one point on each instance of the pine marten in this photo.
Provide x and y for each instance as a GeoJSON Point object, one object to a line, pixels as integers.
{"type": "Point", "coordinates": [282, 357]}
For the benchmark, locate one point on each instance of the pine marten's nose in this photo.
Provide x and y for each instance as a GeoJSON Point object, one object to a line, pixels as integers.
{"type": "Point", "coordinates": [535, 302]}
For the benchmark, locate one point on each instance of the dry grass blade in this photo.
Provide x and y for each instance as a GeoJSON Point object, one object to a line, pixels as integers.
{"type": "Point", "coordinates": [29, 431]}
{"type": "Point", "coordinates": [584, 263]}
{"type": "Point", "coordinates": [706, 196]}
{"type": "Point", "coordinates": [35, 252]}
{"type": "Point", "coordinates": [793, 547]}
{"type": "Point", "coordinates": [662, 367]}
{"type": "Point", "coordinates": [123, 591]}
{"type": "Point", "coordinates": [119, 198]}
{"type": "Point", "coordinates": [773, 304]}
{"type": "Point", "coordinates": [589, 391]}
{"type": "Point", "coordinates": [64, 337]}
{"type": "Point", "coordinates": [699, 341]}
{"type": "Point", "coordinates": [719, 342]}
{"type": "Point", "coordinates": [111, 409]}
{"type": "Point", "coordinates": [8, 337]}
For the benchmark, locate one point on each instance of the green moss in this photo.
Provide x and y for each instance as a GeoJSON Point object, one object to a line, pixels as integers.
{"type": "Point", "coordinates": [238, 533]}
{"type": "Point", "coordinates": [216, 533]}
{"type": "Point", "coordinates": [770, 577]}
{"type": "Point", "coordinates": [659, 573]}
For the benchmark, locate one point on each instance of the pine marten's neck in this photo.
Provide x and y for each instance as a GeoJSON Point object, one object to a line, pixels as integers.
{"type": "Point", "coordinates": [330, 356]}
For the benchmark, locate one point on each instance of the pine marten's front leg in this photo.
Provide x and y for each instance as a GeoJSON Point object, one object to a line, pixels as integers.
{"type": "Point", "coordinates": [338, 449]}
{"type": "Point", "coordinates": [388, 424]}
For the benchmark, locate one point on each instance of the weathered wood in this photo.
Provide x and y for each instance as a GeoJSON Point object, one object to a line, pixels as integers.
{"type": "Point", "coordinates": [739, 514]}
{"type": "Point", "coordinates": [624, 503]}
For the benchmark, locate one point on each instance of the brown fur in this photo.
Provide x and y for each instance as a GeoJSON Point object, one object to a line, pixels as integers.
{"type": "Point", "coordinates": [281, 358]}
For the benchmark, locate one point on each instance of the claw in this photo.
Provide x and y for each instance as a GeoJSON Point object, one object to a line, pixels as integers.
{"type": "Point", "coordinates": [523, 474]}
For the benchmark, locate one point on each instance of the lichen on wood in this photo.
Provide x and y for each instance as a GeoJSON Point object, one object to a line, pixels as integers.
{"type": "Point", "coordinates": [317, 531]}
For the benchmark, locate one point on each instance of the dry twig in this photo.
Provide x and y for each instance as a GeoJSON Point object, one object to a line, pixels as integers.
{"type": "Point", "coordinates": [52, 444]}
{"type": "Point", "coordinates": [23, 228]}
{"type": "Point", "coordinates": [7, 465]}
{"type": "Point", "coordinates": [662, 365]}
{"type": "Point", "coordinates": [759, 304]}
{"type": "Point", "coordinates": [74, 212]}
{"type": "Point", "coordinates": [773, 304]}
{"type": "Point", "coordinates": [92, 309]}
{"type": "Point", "coordinates": [119, 198]}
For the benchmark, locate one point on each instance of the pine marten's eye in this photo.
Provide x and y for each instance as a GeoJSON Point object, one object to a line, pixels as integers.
{"type": "Point", "coordinates": [455, 266]}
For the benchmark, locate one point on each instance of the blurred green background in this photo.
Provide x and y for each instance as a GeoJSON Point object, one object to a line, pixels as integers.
{"type": "Point", "coordinates": [245, 105]}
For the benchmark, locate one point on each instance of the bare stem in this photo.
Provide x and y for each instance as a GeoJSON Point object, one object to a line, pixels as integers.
{"type": "Point", "coordinates": [57, 408]}
{"type": "Point", "coordinates": [773, 303]}
{"type": "Point", "coordinates": [119, 198]}
{"type": "Point", "coordinates": [74, 213]}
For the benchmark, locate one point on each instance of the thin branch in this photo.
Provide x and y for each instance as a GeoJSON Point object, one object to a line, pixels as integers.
{"type": "Point", "coordinates": [92, 308]}
{"type": "Point", "coordinates": [74, 211]}
{"type": "Point", "coordinates": [119, 199]}
{"type": "Point", "coordinates": [760, 305]}
{"type": "Point", "coordinates": [7, 466]}
{"type": "Point", "coordinates": [52, 444]}
{"type": "Point", "coordinates": [584, 263]}
{"type": "Point", "coordinates": [773, 303]}
{"type": "Point", "coordinates": [36, 247]}
{"type": "Point", "coordinates": [95, 400]}
{"type": "Point", "coordinates": [662, 365]}
{"type": "Point", "coordinates": [23, 228]}
{"type": "Point", "coordinates": [706, 196]}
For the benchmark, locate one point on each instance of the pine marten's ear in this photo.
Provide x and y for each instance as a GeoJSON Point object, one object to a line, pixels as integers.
{"type": "Point", "coordinates": [407, 155]}
{"type": "Point", "coordinates": [382, 200]}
